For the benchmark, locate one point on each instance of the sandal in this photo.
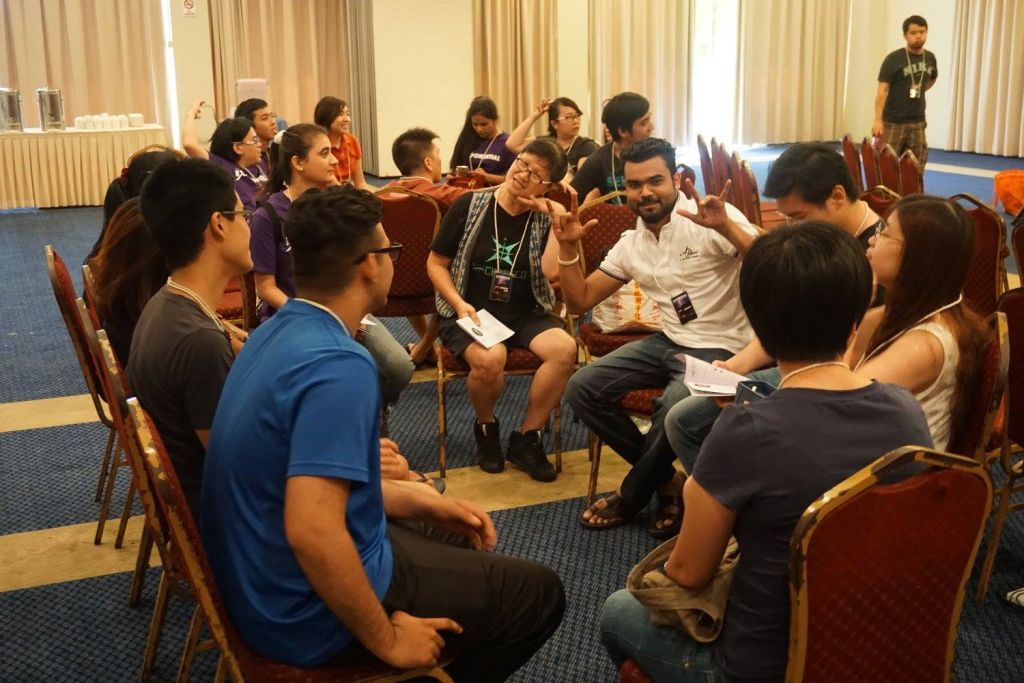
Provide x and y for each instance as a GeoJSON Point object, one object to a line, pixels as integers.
{"type": "Point", "coordinates": [427, 360]}
{"type": "Point", "coordinates": [670, 509]}
{"type": "Point", "coordinates": [615, 512]}
{"type": "Point", "coordinates": [438, 483]}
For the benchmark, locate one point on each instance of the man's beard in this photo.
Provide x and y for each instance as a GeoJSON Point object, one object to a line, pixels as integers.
{"type": "Point", "coordinates": [651, 219]}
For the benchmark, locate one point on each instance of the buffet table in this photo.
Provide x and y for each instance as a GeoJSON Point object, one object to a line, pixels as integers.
{"type": "Point", "coordinates": [66, 167]}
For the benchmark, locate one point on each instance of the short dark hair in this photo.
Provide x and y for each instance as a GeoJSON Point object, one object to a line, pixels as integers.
{"type": "Point", "coordinates": [177, 202]}
{"type": "Point", "coordinates": [913, 19]}
{"type": "Point", "coordinates": [248, 108]}
{"type": "Point", "coordinates": [553, 157]}
{"type": "Point", "coordinates": [812, 170]}
{"type": "Point", "coordinates": [330, 231]}
{"type": "Point", "coordinates": [226, 135]}
{"type": "Point", "coordinates": [649, 148]}
{"type": "Point", "coordinates": [411, 147]}
{"type": "Point", "coordinates": [553, 111]}
{"type": "Point", "coordinates": [328, 109]}
{"type": "Point", "coordinates": [804, 287]}
{"type": "Point", "coordinates": [622, 111]}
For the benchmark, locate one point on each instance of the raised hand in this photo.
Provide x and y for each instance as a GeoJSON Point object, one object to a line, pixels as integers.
{"type": "Point", "coordinates": [542, 108]}
{"type": "Point", "coordinates": [416, 641]}
{"type": "Point", "coordinates": [711, 212]}
{"type": "Point", "coordinates": [564, 223]}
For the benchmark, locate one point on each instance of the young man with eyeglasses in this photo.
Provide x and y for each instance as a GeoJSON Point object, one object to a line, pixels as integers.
{"type": "Point", "coordinates": [488, 256]}
{"type": "Point", "coordinates": [906, 74]}
{"type": "Point", "coordinates": [180, 352]}
{"type": "Point", "coordinates": [319, 560]}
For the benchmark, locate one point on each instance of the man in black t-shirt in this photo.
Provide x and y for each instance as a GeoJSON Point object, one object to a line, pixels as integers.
{"type": "Point", "coordinates": [180, 352]}
{"type": "Point", "coordinates": [628, 118]}
{"type": "Point", "coordinates": [905, 75]}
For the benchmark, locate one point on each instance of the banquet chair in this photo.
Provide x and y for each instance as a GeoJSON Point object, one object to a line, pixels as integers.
{"type": "Point", "coordinates": [971, 438]}
{"type": "Point", "coordinates": [986, 280]}
{"type": "Point", "coordinates": [1011, 304]}
{"type": "Point", "coordinates": [880, 198]}
{"type": "Point", "coordinates": [189, 557]}
{"type": "Point", "coordinates": [869, 161]}
{"type": "Point", "coordinates": [64, 293]}
{"type": "Point", "coordinates": [889, 169]}
{"type": "Point", "coordinates": [230, 307]}
{"type": "Point", "coordinates": [707, 170]}
{"type": "Point", "coordinates": [1017, 239]}
{"type": "Point", "coordinates": [91, 297]}
{"type": "Point", "coordinates": [878, 570]}
{"type": "Point", "coordinates": [720, 165]}
{"type": "Point", "coordinates": [911, 176]}
{"type": "Point", "coordinates": [412, 220]}
{"type": "Point", "coordinates": [853, 163]}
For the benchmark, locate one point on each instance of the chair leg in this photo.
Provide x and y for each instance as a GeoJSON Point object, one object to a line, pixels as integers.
{"type": "Point", "coordinates": [222, 670]}
{"type": "Point", "coordinates": [156, 624]}
{"type": "Point", "coordinates": [442, 428]}
{"type": "Point", "coordinates": [558, 438]}
{"type": "Point", "coordinates": [126, 513]}
{"type": "Point", "coordinates": [105, 463]}
{"type": "Point", "coordinates": [141, 567]}
{"type": "Point", "coordinates": [194, 628]}
{"type": "Point", "coordinates": [594, 448]}
{"type": "Point", "coordinates": [107, 495]}
{"type": "Point", "coordinates": [1005, 497]}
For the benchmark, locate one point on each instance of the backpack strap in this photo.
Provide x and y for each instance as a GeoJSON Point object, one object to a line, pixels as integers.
{"type": "Point", "coordinates": [275, 220]}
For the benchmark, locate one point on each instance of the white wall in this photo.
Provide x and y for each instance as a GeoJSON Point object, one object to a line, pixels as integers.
{"type": "Point", "coordinates": [572, 43]}
{"type": "Point", "coordinates": [423, 56]}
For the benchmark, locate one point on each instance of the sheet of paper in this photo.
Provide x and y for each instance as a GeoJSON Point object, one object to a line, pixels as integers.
{"type": "Point", "coordinates": [489, 332]}
{"type": "Point", "coordinates": [704, 379]}
{"type": "Point", "coordinates": [366, 322]}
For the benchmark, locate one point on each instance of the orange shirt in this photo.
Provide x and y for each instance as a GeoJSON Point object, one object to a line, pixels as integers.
{"type": "Point", "coordinates": [347, 153]}
{"type": "Point", "coordinates": [444, 195]}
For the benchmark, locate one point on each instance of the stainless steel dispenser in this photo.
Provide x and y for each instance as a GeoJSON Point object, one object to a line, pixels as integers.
{"type": "Point", "coordinates": [10, 110]}
{"type": "Point", "coordinates": [51, 108]}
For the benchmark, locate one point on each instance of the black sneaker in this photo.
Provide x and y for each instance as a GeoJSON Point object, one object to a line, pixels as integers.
{"type": "Point", "coordinates": [488, 446]}
{"type": "Point", "coordinates": [526, 452]}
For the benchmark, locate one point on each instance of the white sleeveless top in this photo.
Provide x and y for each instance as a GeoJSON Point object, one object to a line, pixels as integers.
{"type": "Point", "coordinates": [937, 399]}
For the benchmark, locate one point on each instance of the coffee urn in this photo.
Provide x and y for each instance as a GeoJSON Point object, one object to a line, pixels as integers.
{"type": "Point", "coordinates": [10, 110]}
{"type": "Point", "coordinates": [51, 109]}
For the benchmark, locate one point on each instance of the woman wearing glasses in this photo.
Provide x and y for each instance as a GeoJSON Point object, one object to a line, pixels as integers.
{"type": "Point", "coordinates": [235, 147]}
{"type": "Point", "coordinates": [564, 117]}
{"type": "Point", "coordinates": [304, 161]}
{"type": "Point", "coordinates": [487, 256]}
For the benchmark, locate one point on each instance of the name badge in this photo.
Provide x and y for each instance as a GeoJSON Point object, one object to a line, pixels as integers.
{"type": "Point", "coordinates": [915, 92]}
{"type": "Point", "coordinates": [684, 308]}
{"type": "Point", "coordinates": [501, 288]}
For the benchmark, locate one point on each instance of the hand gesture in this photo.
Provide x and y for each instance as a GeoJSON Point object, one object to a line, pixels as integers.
{"type": "Point", "coordinates": [416, 641]}
{"type": "Point", "coordinates": [565, 224]}
{"type": "Point", "coordinates": [196, 110]}
{"type": "Point", "coordinates": [465, 518]}
{"type": "Point", "coordinates": [463, 310]}
{"type": "Point", "coordinates": [711, 211]}
{"type": "Point", "coordinates": [479, 172]}
{"type": "Point", "coordinates": [542, 108]}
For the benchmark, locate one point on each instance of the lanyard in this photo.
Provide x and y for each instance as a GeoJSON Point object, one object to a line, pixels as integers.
{"type": "Point", "coordinates": [196, 299]}
{"type": "Point", "coordinates": [480, 159]}
{"type": "Point", "coordinates": [526, 234]}
{"type": "Point", "coordinates": [924, 60]}
{"type": "Point", "coordinates": [896, 336]}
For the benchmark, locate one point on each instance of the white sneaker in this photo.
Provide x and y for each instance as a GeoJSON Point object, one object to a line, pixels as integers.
{"type": "Point", "coordinates": [1016, 597]}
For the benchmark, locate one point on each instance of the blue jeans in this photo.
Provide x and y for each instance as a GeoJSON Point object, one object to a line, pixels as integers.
{"type": "Point", "coordinates": [594, 392]}
{"type": "Point", "coordinates": [663, 652]}
{"type": "Point", "coordinates": [689, 421]}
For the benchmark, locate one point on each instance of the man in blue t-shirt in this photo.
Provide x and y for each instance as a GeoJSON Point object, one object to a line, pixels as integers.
{"type": "Point", "coordinates": [296, 518]}
{"type": "Point", "coordinates": [805, 288]}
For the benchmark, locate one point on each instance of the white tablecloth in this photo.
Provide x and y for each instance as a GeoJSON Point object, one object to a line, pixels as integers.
{"type": "Point", "coordinates": [66, 167]}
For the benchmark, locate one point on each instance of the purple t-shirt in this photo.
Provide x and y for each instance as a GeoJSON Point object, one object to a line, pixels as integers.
{"type": "Point", "coordinates": [492, 156]}
{"type": "Point", "coordinates": [270, 250]}
{"type": "Point", "coordinates": [248, 181]}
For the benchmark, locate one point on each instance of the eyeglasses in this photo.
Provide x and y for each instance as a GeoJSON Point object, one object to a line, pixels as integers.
{"type": "Point", "coordinates": [394, 250]}
{"type": "Point", "coordinates": [255, 142]}
{"type": "Point", "coordinates": [531, 174]}
{"type": "Point", "coordinates": [244, 213]}
{"type": "Point", "coordinates": [571, 118]}
{"type": "Point", "coordinates": [880, 232]}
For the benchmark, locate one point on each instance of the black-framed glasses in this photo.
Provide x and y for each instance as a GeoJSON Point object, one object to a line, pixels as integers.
{"type": "Point", "coordinates": [530, 173]}
{"type": "Point", "coordinates": [394, 250]}
{"type": "Point", "coordinates": [244, 213]}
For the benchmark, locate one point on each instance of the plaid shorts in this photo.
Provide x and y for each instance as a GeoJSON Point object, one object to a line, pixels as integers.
{"type": "Point", "coordinates": [904, 136]}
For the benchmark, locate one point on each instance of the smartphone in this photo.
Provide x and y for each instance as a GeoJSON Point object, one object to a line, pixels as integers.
{"type": "Point", "coordinates": [461, 171]}
{"type": "Point", "coordinates": [752, 390]}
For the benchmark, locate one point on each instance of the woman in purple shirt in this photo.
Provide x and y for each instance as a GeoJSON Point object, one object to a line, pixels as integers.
{"type": "Point", "coordinates": [481, 144]}
{"type": "Point", "coordinates": [235, 147]}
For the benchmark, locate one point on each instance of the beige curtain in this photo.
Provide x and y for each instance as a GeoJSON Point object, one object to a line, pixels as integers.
{"type": "Point", "coordinates": [643, 46]}
{"type": "Point", "coordinates": [791, 83]}
{"type": "Point", "coordinates": [104, 55]}
{"type": "Point", "coordinates": [987, 104]}
{"type": "Point", "coordinates": [514, 55]}
{"type": "Point", "coordinates": [300, 46]}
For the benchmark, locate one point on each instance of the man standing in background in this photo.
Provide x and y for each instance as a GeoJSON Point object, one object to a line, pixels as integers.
{"type": "Point", "coordinates": [902, 81]}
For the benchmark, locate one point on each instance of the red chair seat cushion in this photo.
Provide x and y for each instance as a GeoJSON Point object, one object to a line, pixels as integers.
{"type": "Point", "coordinates": [640, 401]}
{"type": "Point", "coordinates": [601, 344]}
{"type": "Point", "coordinates": [517, 359]}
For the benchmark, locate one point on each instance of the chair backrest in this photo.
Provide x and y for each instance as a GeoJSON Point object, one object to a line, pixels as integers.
{"type": "Point", "coordinates": [685, 173]}
{"type": "Point", "coordinates": [250, 318]}
{"type": "Point", "coordinates": [970, 439]}
{"type": "Point", "coordinates": [880, 198]}
{"type": "Point", "coordinates": [91, 297]}
{"type": "Point", "coordinates": [1017, 238]}
{"type": "Point", "coordinates": [612, 221]}
{"type": "Point", "coordinates": [889, 169]}
{"type": "Point", "coordinates": [720, 164]}
{"type": "Point", "coordinates": [986, 279]}
{"type": "Point", "coordinates": [911, 176]}
{"type": "Point", "coordinates": [707, 170]}
{"type": "Point", "coordinates": [1011, 304]}
{"type": "Point", "coordinates": [64, 292]}
{"type": "Point", "coordinates": [853, 162]}
{"type": "Point", "coordinates": [412, 219]}
{"type": "Point", "coordinates": [878, 571]}
{"type": "Point", "coordinates": [184, 536]}
{"type": "Point", "coordinates": [869, 160]}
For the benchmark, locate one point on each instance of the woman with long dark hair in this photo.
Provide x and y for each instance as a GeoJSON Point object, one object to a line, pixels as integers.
{"type": "Point", "coordinates": [334, 116]}
{"type": "Point", "coordinates": [564, 120]}
{"type": "Point", "coordinates": [481, 145]}
{"type": "Point", "coordinates": [235, 147]}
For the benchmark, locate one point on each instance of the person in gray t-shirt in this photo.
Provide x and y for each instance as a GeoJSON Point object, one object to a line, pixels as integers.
{"type": "Point", "coordinates": [805, 288]}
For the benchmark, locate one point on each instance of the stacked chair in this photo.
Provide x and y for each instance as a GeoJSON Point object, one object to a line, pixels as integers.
{"type": "Point", "coordinates": [872, 166]}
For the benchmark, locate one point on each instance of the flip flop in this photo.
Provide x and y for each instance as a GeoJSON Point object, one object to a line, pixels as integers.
{"type": "Point", "coordinates": [670, 507]}
{"type": "Point", "coordinates": [614, 511]}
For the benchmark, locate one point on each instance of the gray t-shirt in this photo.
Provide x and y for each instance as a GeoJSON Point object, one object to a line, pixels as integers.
{"type": "Point", "coordinates": [767, 461]}
{"type": "Point", "coordinates": [177, 366]}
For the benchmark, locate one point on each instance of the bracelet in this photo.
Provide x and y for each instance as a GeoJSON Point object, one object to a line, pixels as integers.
{"type": "Point", "coordinates": [569, 263]}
